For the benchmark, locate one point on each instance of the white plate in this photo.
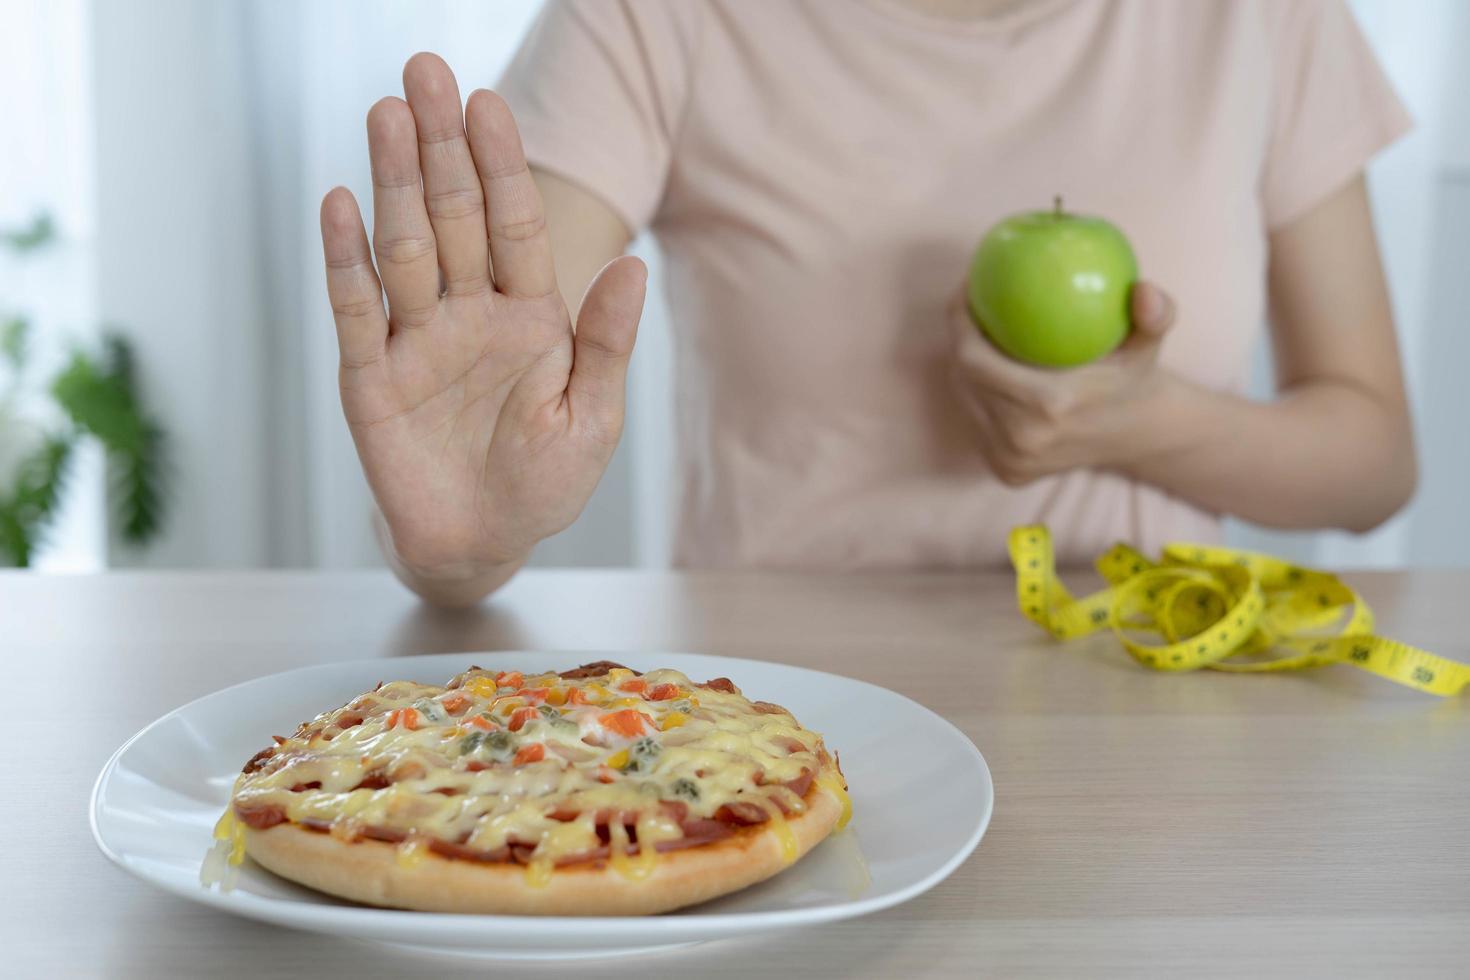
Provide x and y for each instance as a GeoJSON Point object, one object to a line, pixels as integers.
{"type": "Point", "coordinates": [921, 800]}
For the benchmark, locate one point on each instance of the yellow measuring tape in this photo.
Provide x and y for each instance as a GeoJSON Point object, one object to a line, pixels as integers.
{"type": "Point", "coordinates": [1222, 609]}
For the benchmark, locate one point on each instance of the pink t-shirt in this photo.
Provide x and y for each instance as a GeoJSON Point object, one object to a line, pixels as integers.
{"type": "Point", "coordinates": [818, 173]}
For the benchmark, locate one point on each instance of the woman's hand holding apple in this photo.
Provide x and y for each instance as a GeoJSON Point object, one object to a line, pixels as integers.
{"type": "Point", "coordinates": [1032, 422]}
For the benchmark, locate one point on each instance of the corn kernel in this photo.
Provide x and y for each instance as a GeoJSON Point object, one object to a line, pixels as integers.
{"type": "Point", "coordinates": [481, 687]}
{"type": "Point", "coordinates": [619, 674]}
{"type": "Point", "coordinates": [674, 719]}
{"type": "Point", "coordinates": [626, 702]}
{"type": "Point", "coordinates": [556, 696]}
{"type": "Point", "coordinates": [618, 759]}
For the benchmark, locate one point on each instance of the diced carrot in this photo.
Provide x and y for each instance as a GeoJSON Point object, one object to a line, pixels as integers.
{"type": "Point", "coordinates": [407, 717]}
{"type": "Point", "coordinates": [636, 685]}
{"type": "Point", "coordinates": [627, 722]}
{"type": "Point", "coordinates": [534, 752]}
{"type": "Point", "coordinates": [535, 695]}
{"type": "Point", "coordinates": [605, 775]}
{"type": "Point", "coordinates": [455, 703]}
{"type": "Point", "coordinates": [481, 722]}
{"type": "Point", "coordinates": [578, 696]}
{"type": "Point", "coordinates": [520, 716]}
{"type": "Point", "coordinates": [663, 692]}
{"type": "Point", "coordinates": [510, 678]}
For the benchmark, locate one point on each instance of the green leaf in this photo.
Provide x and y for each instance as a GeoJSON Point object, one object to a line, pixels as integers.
{"type": "Point", "coordinates": [139, 487]}
{"type": "Point", "coordinates": [33, 499]}
{"type": "Point", "coordinates": [101, 403]}
{"type": "Point", "coordinates": [15, 542]}
{"type": "Point", "coordinates": [14, 334]}
{"type": "Point", "coordinates": [101, 399]}
{"type": "Point", "coordinates": [118, 356]}
{"type": "Point", "coordinates": [41, 232]}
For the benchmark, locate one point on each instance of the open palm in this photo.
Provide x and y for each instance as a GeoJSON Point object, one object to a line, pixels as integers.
{"type": "Point", "coordinates": [483, 421]}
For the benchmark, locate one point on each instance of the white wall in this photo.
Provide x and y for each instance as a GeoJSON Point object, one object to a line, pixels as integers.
{"type": "Point", "coordinates": [178, 260]}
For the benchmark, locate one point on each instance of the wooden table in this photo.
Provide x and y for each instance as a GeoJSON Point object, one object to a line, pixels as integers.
{"type": "Point", "coordinates": [1145, 824]}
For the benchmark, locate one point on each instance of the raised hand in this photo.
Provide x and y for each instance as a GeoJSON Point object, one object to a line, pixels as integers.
{"type": "Point", "coordinates": [483, 422]}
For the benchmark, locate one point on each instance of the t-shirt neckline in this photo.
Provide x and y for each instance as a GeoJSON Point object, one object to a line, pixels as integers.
{"type": "Point", "coordinates": [1008, 22]}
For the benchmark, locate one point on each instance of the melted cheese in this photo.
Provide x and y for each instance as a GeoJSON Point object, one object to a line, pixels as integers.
{"type": "Point", "coordinates": [412, 851]}
{"type": "Point", "coordinates": [833, 784]}
{"type": "Point", "coordinates": [221, 865]}
{"type": "Point", "coordinates": [228, 830]}
{"type": "Point", "coordinates": [539, 871]}
{"type": "Point", "coordinates": [452, 775]}
{"type": "Point", "coordinates": [781, 830]}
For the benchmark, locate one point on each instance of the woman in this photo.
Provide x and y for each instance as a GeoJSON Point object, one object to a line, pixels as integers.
{"type": "Point", "coordinates": [818, 174]}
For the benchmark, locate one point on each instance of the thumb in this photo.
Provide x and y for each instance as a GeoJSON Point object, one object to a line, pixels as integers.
{"type": "Point", "coordinates": [606, 328]}
{"type": "Point", "coordinates": [1152, 312]}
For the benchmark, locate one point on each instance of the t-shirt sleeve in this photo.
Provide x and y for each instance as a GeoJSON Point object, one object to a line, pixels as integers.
{"type": "Point", "coordinates": [1332, 110]}
{"type": "Point", "coordinates": [598, 89]}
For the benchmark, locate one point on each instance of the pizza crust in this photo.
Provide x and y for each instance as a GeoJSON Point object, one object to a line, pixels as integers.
{"type": "Point", "coordinates": [368, 871]}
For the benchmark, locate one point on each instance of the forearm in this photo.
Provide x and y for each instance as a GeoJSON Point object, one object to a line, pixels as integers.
{"type": "Point", "coordinates": [451, 588]}
{"type": "Point", "coordinates": [1327, 453]}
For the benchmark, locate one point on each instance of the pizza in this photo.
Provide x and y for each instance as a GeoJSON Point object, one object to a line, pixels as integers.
{"type": "Point", "coordinates": [593, 791]}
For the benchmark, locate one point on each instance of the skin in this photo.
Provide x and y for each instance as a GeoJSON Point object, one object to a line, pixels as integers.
{"type": "Point", "coordinates": [485, 413]}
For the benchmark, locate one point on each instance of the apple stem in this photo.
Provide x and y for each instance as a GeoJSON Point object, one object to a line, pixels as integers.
{"type": "Point", "coordinates": [1056, 202]}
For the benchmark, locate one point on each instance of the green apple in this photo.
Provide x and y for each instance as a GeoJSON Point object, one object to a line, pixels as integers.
{"type": "Point", "coordinates": [1051, 288]}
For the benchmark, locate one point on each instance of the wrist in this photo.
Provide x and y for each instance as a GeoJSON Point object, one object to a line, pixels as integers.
{"type": "Point", "coordinates": [449, 582]}
{"type": "Point", "coordinates": [1160, 424]}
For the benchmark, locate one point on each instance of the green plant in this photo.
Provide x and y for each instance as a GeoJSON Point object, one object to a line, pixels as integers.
{"type": "Point", "coordinates": [42, 232]}
{"type": "Point", "coordinates": [97, 394]}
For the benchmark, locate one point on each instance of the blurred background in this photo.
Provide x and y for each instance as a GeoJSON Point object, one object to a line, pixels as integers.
{"type": "Point", "coordinates": [161, 164]}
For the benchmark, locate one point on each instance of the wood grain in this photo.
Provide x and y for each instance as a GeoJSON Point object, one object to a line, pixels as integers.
{"type": "Point", "coordinates": [1312, 824]}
